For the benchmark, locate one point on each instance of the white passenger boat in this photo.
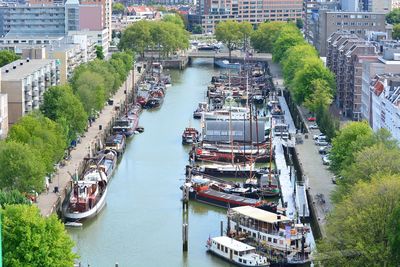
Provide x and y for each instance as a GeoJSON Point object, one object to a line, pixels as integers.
{"type": "Point", "coordinates": [227, 113]}
{"type": "Point", "coordinates": [235, 252]}
{"type": "Point", "coordinates": [276, 233]}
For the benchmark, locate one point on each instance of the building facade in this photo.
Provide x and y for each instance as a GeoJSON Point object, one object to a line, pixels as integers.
{"type": "Point", "coordinates": [384, 112]}
{"type": "Point", "coordinates": [359, 23]}
{"type": "Point", "coordinates": [254, 11]}
{"type": "Point", "coordinates": [3, 116]}
{"type": "Point", "coordinates": [25, 81]}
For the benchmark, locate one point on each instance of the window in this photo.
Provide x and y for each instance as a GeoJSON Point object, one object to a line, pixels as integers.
{"type": "Point", "coordinates": [275, 241]}
{"type": "Point", "coordinates": [235, 252]}
{"type": "Point", "coordinates": [218, 246]}
{"type": "Point", "coordinates": [226, 250]}
{"type": "Point", "coordinates": [244, 261]}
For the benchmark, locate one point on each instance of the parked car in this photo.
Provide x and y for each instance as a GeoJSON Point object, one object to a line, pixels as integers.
{"type": "Point", "coordinates": [321, 142]}
{"type": "Point", "coordinates": [314, 126]}
{"type": "Point", "coordinates": [311, 119]}
{"type": "Point", "coordinates": [324, 150]}
{"type": "Point", "coordinates": [326, 160]}
{"type": "Point", "coordinates": [317, 136]}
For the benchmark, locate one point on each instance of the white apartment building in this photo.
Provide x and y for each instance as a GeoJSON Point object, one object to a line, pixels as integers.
{"type": "Point", "coordinates": [3, 116]}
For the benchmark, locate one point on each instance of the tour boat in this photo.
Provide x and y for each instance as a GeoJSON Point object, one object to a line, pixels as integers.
{"type": "Point", "coordinates": [226, 64]}
{"type": "Point", "coordinates": [88, 195]}
{"type": "Point", "coordinates": [190, 136]}
{"type": "Point", "coordinates": [235, 252]}
{"type": "Point", "coordinates": [276, 234]}
{"type": "Point", "coordinates": [230, 113]}
{"type": "Point", "coordinates": [116, 142]}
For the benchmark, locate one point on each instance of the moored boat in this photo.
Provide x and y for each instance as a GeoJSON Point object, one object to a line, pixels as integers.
{"type": "Point", "coordinates": [235, 252]}
{"type": "Point", "coordinates": [116, 142]}
{"type": "Point", "coordinates": [190, 136]}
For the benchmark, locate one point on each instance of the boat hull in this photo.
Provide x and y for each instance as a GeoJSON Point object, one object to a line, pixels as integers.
{"type": "Point", "coordinates": [79, 216]}
{"type": "Point", "coordinates": [232, 261]}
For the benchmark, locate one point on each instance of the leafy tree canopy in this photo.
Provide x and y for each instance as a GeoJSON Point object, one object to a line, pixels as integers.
{"type": "Point", "coordinates": [43, 135]}
{"type": "Point", "coordinates": [7, 57]}
{"type": "Point", "coordinates": [174, 19]}
{"type": "Point", "coordinates": [118, 8]}
{"type": "Point", "coordinates": [393, 17]}
{"type": "Point", "coordinates": [8, 197]}
{"type": "Point", "coordinates": [228, 33]}
{"type": "Point", "coordinates": [264, 38]}
{"type": "Point", "coordinates": [61, 104]}
{"type": "Point", "coordinates": [321, 95]}
{"type": "Point", "coordinates": [396, 32]}
{"type": "Point", "coordinates": [289, 37]}
{"type": "Point", "coordinates": [357, 229]}
{"type": "Point", "coordinates": [21, 168]}
{"type": "Point", "coordinates": [32, 240]}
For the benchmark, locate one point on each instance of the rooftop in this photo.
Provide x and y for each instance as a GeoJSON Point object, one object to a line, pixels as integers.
{"type": "Point", "coordinates": [232, 243]}
{"type": "Point", "coordinates": [260, 215]}
{"type": "Point", "coordinates": [22, 68]}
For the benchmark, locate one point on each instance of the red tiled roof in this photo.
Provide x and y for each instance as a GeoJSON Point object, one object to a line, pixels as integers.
{"type": "Point", "coordinates": [139, 9]}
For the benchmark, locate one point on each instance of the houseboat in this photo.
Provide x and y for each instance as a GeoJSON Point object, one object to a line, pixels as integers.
{"type": "Point", "coordinates": [116, 142]}
{"type": "Point", "coordinates": [203, 107]}
{"type": "Point", "coordinates": [235, 252]}
{"type": "Point", "coordinates": [229, 113]}
{"type": "Point", "coordinates": [125, 125]}
{"type": "Point", "coordinates": [277, 234]}
{"type": "Point", "coordinates": [88, 195]}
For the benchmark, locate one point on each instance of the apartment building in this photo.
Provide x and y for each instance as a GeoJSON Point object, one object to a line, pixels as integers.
{"type": "Point", "coordinates": [25, 81]}
{"type": "Point", "coordinates": [388, 62]}
{"type": "Point", "coordinates": [359, 23]}
{"type": "Point", "coordinates": [384, 107]}
{"type": "Point", "coordinates": [255, 11]}
{"type": "Point", "coordinates": [384, 6]}
{"type": "Point", "coordinates": [3, 116]}
{"type": "Point", "coordinates": [346, 55]}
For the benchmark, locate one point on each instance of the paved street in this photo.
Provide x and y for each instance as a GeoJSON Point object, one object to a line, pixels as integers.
{"type": "Point", "coordinates": [318, 177]}
{"type": "Point", "coordinates": [47, 202]}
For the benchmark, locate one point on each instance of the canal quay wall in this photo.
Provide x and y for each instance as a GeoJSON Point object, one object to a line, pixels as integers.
{"type": "Point", "coordinates": [306, 159]}
{"type": "Point", "coordinates": [50, 202]}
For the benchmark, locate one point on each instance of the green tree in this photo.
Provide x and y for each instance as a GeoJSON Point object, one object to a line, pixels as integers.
{"type": "Point", "coordinates": [396, 32]}
{"type": "Point", "coordinates": [393, 17]}
{"type": "Point", "coordinates": [21, 168]}
{"type": "Point", "coordinates": [299, 23]}
{"type": "Point", "coordinates": [43, 135]}
{"type": "Point", "coordinates": [9, 197]}
{"type": "Point", "coordinates": [294, 58]}
{"type": "Point", "coordinates": [264, 37]}
{"type": "Point", "coordinates": [328, 124]}
{"type": "Point", "coordinates": [394, 233]}
{"type": "Point", "coordinates": [313, 69]}
{"type": "Point", "coordinates": [136, 37]}
{"type": "Point", "coordinates": [118, 8]}
{"type": "Point", "coordinates": [321, 95]}
{"type": "Point", "coordinates": [371, 161]}
{"type": "Point", "coordinates": [197, 29]}
{"type": "Point", "coordinates": [91, 91]}
{"type": "Point", "coordinates": [352, 138]}
{"type": "Point", "coordinates": [245, 32]}
{"type": "Point", "coordinates": [7, 57]}
{"type": "Point", "coordinates": [32, 240]}
{"type": "Point", "coordinates": [99, 52]}
{"type": "Point", "coordinates": [173, 18]}
{"type": "Point", "coordinates": [60, 103]}
{"type": "Point", "coordinates": [288, 38]}
{"type": "Point", "coordinates": [228, 33]}
{"type": "Point", "coordinates": [357, 229]}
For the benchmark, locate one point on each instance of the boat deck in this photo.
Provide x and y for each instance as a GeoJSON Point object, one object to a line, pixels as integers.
{"type": "Point", "coordinates": [301, 201]}
{"type": "Point", "coordinates": [230, 197]}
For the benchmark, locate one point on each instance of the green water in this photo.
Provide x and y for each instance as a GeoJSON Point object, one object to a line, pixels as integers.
{"type": "Point", "coordinates": [141, 224]}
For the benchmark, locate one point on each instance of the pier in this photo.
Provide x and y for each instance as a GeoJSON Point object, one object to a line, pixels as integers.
{"type": "Point", "coordinates": [51, 202]}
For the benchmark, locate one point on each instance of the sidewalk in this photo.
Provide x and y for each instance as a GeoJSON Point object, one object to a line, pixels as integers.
{"type": "Point", "coordinates": [48, 202]}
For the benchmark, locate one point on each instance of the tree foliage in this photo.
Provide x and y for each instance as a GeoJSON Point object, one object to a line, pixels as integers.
{"type": "Point", "coordinates": [61, 105]}
{"type": "Point", "coordinates": [352, 138]}
{"type": "Point", "coordinates": [9, 197]}
{"type": "Point", "coordinates": [32, 240]}
{"type": "Point", "coordinates": [321, 95]}
{"type": "Point", "coordinates": [7, 57]}
{"type": "Point", "coordinates": [227, 32]}
{"type": "Point", "coordinates": [245, 32]}
{"type": "Point", "coordinates": [289, 37]}
{"type": "Point", "coordinates": [328, 124]}
{"type": "Point", "coordinates": [174, 18]}
{"type": "Point", "coordinates": [304, 78]}
{"type": "Point", "coordinates": [394, 233]}
{"type": "Point", "coordinates": [118, 8]}
{"type": "Point", "coordinates": [44, 136]}
{"type": "Point", "coordinates": [164, 36]}
{"type": "Point", "coordinates": [393, 17]}
{"type": "Point", "coordinates": [396, 32]}
{"type": "Point", "coordinates": [263, 39]}
{"type": "Point", "coordinates": [21, 168]}
{"type": "Point", "coordinates": [371, 161]}
{"type": "Point", "coordinates": [99, 52]}
{"type": "Point", "coordinates": [358, 228]}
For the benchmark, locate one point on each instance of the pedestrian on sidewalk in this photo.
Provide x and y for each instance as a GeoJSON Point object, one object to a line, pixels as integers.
{"type": "Point", "coordinates": [47, 185]}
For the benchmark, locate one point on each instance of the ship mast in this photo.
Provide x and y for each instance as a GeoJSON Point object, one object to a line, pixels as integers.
{"type": "Point", "coordinates": [270, 152]}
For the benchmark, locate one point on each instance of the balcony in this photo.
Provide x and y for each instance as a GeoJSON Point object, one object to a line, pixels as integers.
{"type": "Point", "coordinates": [28, 98]}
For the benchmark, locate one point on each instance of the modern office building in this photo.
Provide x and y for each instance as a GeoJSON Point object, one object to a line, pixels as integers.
{"type": "Point", "coordinates": [384, 6]}
{"type": "Point", "coordinates": [359, 23]}
{"type": "Point", "coordinates": [25, 81]}
{"type": "Point", "coordinates": [3, 116]}
{"type": "Point", "coordinates": [255, 11]}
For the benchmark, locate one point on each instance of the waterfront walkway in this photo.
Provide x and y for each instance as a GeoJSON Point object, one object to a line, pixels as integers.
{"type": "Point", "coordinates": [48, 202]}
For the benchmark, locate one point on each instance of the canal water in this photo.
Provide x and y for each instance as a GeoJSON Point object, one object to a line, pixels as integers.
{"type": "Point", "coordinates": [141, 224]}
